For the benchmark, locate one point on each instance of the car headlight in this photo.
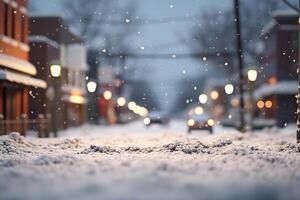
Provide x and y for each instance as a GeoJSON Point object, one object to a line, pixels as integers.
{"type": "Point", "coordinates": [147, 121]}
{"type": "Point", "coordinates": [210, 122]}
{"type": "Point", "coordinates": [191, 122]}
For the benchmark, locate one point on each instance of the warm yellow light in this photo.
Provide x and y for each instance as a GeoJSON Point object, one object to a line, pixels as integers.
{"type": "Point", "coordinates": [91, 86]}
{"type": "Point", "coordinates": [76, 99]}
{"type": "Point", "coordinates": [272, 80]}
{"type": "Point", "coordinates": [210, 122]}
{"type": "Point", "coordinates": [235, 102]}
{"type": "Point", "coordinates": [131, 105]}
{"type": "Point", "coordinates": [147, 121]}
{"type": "Point", "coordinates": [121, 101]}
{"type": "Point", "coordinates": [260, 104]}
{"type": "Point", "coordinates": [191, 122]}
{"type": "Point", "coordinates": [107, 95]}
{"type": "Point", "coordinates": [268, 104]}
{"type": "Point", "coordinates": [143, 111]}
{"type": "Point", "coordinates": [252, 75]}
{"type": "Point", "coordinates": [229, 88]}
{"type": "Point", "coordinates": [203, 98]}
{"type": "Point", "coordinates": [136, 109]}
{"type": "Point", "coordinates": [198, 110]}
{"type": "Point", "coordinates": [55, 70]}
{"type": "Point", "coordinates": [214, 95]}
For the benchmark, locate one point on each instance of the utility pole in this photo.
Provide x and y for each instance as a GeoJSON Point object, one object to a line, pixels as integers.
{"type": "Point", "coordinates": [298, 96]}
{"type": "Point", "coordinates": [240, 61]}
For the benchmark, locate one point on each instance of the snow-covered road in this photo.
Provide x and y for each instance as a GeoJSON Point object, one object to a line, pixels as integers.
{"type": "Point", "coordinates": [131, 162]}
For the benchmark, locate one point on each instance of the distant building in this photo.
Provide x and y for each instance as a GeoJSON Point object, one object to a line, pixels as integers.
{"type": "Point", "coordinates": [51, 41]}
{"type": "Point", "coordinates": [16, 73]}
{"type": "Point", "coordinates": [278, 76]}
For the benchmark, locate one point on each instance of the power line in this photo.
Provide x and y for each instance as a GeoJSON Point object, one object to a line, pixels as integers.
{"type": "Point", "coordinates": [133, 22]}
{"type": "Point", "coordinates": [289, 4]}
{"type": "Point", "coordinates": [168, 55]}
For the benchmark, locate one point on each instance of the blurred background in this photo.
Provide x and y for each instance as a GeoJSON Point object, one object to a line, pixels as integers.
{"type": "Point", "coordinates": [110, 62]}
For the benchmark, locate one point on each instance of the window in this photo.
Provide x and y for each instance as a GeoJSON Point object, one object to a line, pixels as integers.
{"type": "Point", "coordinates": [13, 22]}
{"type": "Point", "coordinates": [23, 28]}
{"type": "Point", "coordinates": [6, 19]}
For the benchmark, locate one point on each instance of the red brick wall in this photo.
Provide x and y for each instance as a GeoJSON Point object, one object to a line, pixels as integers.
{"type": "Point", "coordinates": [20, 36]}
{"type": "Point", "coordinates": [1, 18]}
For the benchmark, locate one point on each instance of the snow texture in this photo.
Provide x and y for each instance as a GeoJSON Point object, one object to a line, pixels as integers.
{"type": "Point", "coordinates": [150, 165]}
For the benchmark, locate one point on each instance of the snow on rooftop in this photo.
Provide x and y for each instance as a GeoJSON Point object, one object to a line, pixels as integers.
{"type": "Point", "coordinates": [17, 64]}
{"type": "Point", "coordinates": [282, 87]}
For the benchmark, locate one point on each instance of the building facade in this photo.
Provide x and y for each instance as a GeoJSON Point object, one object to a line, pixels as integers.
{"type": "Point", "coordinates": [52, 38]}
{"type": "Point", "coordinates": [16, 73]}
{"type": "Point", "coordinates": [278, 68]}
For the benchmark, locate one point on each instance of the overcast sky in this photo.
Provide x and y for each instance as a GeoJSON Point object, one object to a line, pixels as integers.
{"type": "Point", "coordinates": [158, 38]}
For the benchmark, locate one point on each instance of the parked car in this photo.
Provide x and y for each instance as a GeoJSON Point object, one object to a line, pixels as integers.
{"type": "Point", "coordinates": [200, 122]}
{"type": "Point", "coordinates": [156, 118]}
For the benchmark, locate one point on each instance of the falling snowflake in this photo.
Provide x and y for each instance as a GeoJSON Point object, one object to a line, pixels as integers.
{"type": "Point", "coordinates": [204, 58]}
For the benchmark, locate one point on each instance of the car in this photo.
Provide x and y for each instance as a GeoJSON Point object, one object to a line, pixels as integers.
{"type": "Point", "coordinates": [200, 122]}
{"type": "Point", "coordinates": [156, 118]}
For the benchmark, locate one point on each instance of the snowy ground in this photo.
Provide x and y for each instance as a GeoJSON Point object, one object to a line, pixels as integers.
{"type": "Point", "coordinates": [131, 162]}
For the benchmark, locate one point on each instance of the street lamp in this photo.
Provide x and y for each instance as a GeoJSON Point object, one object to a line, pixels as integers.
{"type": "Point", "coordinates": [121, 101]}
{"type": "Point", "coordinates": [107, 95]}
{"type": "Point", "coordinates": [203, 98]}
{"type": "Point", "coordinates": [131, 105]}
{"type": "Point", "coordinates": [55, 70]}
{"type": "Point", "coordinates": [92, 103]}
{"type": "Point", "coordinates": [229, 88]}
{"type": "Point", "coordinates": [198, 110]}
{"type": "Point", "coordinates": [91, 86]}
{"type": "Point", "coordinates": [252, 75]}
{"type": "Point", "coordinates": [214, 95]}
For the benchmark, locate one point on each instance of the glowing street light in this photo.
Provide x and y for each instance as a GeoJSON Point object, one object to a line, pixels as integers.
{"type": "Point", "coordinates": [121, 101]}
{"type": "Point", "coordinates": [107, 95]}
{"type": "Point", "coordinates": [143, 111]}
{"type": "Point", "coordinates": [214, 95]}
{"type": "Point", "coordinates": [268, 104]}
{"type": "Point", "coordinates": [260, 104]}
{"type": "Point", "coordinates": [131, 105]}
{"type": "Point", "coordinates": [229, 88]}
{"type": "Point", "coordinates": [203, 98]}
{"type": "Point", "coordinates": [55, 70]}
{"type": "Point", "coordinates": [252, 75]}
{"type": "Point", "coordinates": [198, 110]}
{"type": "Point", "coordinates": [91, 86]}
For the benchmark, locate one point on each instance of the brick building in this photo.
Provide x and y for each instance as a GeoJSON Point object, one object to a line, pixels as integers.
{"type": "Point", "coordinates": [16, 73]}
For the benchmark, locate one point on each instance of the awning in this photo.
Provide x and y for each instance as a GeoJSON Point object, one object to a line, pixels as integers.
{"type": "Point", "coordinates": [17, 64]}
{"type": "Point", "coordinates": [282, 87]}
{"type": "Point", "coordinates": [22, 79]}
